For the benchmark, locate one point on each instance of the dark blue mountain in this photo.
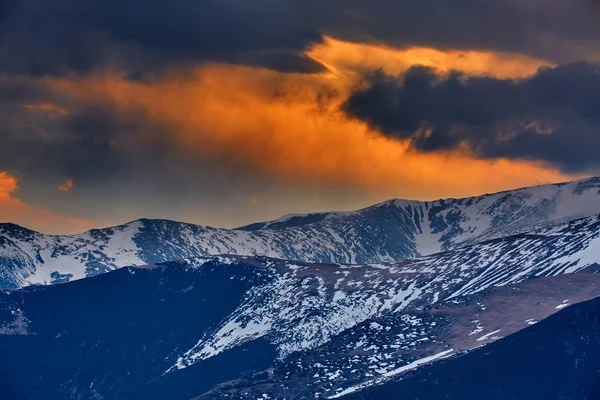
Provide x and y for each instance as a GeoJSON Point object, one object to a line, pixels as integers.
{"type": "Point", "coordinates": [115, 335]}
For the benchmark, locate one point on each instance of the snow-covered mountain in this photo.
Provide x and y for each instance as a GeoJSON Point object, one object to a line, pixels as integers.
{"type": "Point", "coordinates": [256, 327]}
{"type": "Point", "coordinates": [393, 230]}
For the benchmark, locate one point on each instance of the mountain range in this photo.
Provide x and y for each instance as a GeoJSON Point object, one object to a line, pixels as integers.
{"type": "Point", "coordinates": [389, 231]}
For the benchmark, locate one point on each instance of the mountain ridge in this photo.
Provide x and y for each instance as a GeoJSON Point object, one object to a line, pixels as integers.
{"type": "Point", "coordinates": [388, 231]}
{"type": "Point", "coordinates": [286, 217]}
{"type": "Point", "coordinates": [397, 200]}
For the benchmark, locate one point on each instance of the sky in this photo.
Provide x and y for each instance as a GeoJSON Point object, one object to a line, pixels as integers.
{"type": "Point", "coordinates": [227, 112]}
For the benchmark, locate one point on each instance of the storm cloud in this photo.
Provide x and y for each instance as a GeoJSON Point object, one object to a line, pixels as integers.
{"type": "Point", "coordinates": [555, 30]}
{"type": "Point", "coordinates": [553, 116]}
{"type": "Point", "coordinates": [77, 36]}
{"type": "Point", "coordinates": [70, 36]}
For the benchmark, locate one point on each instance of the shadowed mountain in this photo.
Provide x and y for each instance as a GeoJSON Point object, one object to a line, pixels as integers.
{"type": "Point", "coordinates": [393, 230]}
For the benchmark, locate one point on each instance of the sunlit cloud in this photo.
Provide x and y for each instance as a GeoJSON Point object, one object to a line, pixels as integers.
{"type": "Point", "coordinates": [346, 58]}
{"type": "Point", "coordinates": [8, 184]}
{"type": "Point", "coordinates": [48, 107]}
{"type": "Point", "coordinates": [66, 186]}
{"type": "Point", "coordinates": [290, 127]}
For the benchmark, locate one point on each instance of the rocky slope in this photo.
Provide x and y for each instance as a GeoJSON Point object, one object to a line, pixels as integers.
{"type": "Point", "coordinates": [557, 359]}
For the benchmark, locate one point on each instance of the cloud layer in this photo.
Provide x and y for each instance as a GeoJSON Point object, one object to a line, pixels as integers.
{"type": "Point", "coordinates": [71, 36]}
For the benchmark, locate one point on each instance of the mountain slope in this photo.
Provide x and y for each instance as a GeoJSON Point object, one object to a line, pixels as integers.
{"type": "Point", "coordinates": [392, 230]}
{"type": "Point", "coordinates": [384, 347]}
{"type": "Point", "coordinates": [359, 292]}
{"type": "Point", "coordinates": [168, 331]}
{"type": "Point", "coordinates": [559, 358]}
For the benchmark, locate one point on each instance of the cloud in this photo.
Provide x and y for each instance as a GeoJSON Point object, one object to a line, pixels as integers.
{"type": "Point", "coordinates": [72, 36]}
{"type": "Point", "coordinates": [349, 58]}
{"type": "Point", "coordinates": [554, 30]}
{"type": "Point", "coordinates": [66, 186]}
{"type": "Point", "coordinates": [197, 146]}
{"type": "Point", "coordinates": [8, 184]}
{"type": "Point", "coordinates": [141, 38]}
{"type": "Point", "coordinates": [552, 116]}
{"type": "Point", "coordinates": [48, 107]}
{"type": "Point", "coordinates": [14, 210]}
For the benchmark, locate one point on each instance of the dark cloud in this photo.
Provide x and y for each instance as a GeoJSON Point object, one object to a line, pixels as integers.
{"type": "Point", "coordinates": [43, 146]}
{"type": "Point", "coordinates": [21, 90]}
{"type": "Point", "coordinates": [553, 116]}
{"type": "Point", "coordinates": [71, 36]}
{"type": "Point", "coordinates": [555, 30]}
{"type": "Point", "coordinates": [76, 36]}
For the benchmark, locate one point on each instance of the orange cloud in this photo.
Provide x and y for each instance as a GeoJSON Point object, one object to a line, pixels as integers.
{"type": "Point", "coordinates": [48, 107]}
{"type": "Point", "coordinates": [8, 184]}
{"type": "Point", "coordinates": [16, 211]}
{"type": "Point", "coordinates": [66, 186]}
{"type": "Point", "coordinates": [346, 58]}
{"type": "Point", "coordinates": [289, 126]}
